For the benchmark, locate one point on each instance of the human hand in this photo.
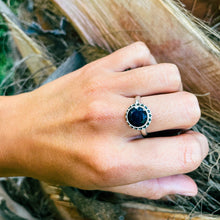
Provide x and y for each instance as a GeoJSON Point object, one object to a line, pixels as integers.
{"type": "Point", "coordinates": [73, 131]}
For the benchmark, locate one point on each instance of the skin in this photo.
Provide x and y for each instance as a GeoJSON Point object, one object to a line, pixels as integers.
{"type": "Point", "coordinates": [72, 131]}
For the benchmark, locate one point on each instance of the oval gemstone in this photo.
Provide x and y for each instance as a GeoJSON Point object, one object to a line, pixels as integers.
{"type": "Point", "coordinates": [137, 116]}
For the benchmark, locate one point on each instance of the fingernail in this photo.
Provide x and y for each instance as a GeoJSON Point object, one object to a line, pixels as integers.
{"type": "Point", "coordinates": [187, 194]}
{"type": "Point", "coordinates": [186, 191]}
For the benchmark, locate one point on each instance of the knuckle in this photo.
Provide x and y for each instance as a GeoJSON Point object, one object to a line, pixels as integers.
{"type": "Point", "coordinates": [86, 70]}
{"type": "Point", "coordinates": [142, 53]}
{"type": "Point", "coordinates": [174, 78]}
{"type": "Point", "coordinates": [105, 170]}
{"type": "Point", "coordinates": [100, 111]}
{"type": "Point", "coordinates": [91, 68]}
{"type": "Point", "coordinates": [170, 76]}
{"type": "Point", "coordinates": [191, 109]}
{"type": "Point", "coordinates": [95, 110]}
{"type": "Point", "coordinates": [173, 67]}
{"type": "Point", "coordinates": [141, 48]}
{"type": "Point", "coordinates": [191, 154]}
{"type": "Point", "coordinates": [95, 85]}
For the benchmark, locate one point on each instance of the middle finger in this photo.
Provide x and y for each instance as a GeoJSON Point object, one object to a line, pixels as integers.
{"type": "Point", "coordinates": [148, 80]}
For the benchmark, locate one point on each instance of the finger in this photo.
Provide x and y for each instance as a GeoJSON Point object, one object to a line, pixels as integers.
{"type": "Point", "coordinates": [149, 80]}
{"type": "Point", "coordinates": [158, 188]}
{"type": "Point", "coordinates": [132, 56]}
{"type": "Point", "coordinates": [178, 110]}
{"type": "Point", "coordinates": [145, 159]}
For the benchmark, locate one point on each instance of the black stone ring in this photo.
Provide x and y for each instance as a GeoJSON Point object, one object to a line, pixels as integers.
{"type": "Point", "coordinates": [138, 116]}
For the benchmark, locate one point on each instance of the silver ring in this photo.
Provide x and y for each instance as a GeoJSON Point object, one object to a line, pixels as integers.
{"type": "Point", "coordinates": [138, 116]}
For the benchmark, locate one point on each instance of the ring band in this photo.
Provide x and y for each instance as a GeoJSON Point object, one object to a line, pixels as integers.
{"type": "Point", "coordinates": [138, 116]}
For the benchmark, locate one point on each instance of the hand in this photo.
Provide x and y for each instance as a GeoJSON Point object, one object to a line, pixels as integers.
{"type": "Point", "coordinates": [73, 131]}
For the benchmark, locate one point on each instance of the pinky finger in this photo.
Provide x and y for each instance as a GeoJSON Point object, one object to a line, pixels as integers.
{"type": "Point", "coordinates": [158, 188]}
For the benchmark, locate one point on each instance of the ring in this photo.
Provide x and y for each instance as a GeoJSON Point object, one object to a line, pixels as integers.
{"type": "Point", "coordinates": [138, 116]}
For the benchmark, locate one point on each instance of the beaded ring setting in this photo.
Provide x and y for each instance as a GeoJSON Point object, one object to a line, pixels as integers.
{"type": "Point", "coordinates": [138, 116]}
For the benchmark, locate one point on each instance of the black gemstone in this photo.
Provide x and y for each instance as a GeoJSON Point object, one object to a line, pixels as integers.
{"type": "Point", "coordinates": [137, 116]}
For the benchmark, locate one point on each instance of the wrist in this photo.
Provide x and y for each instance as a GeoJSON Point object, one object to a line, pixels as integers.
{"type": "Point", "coordinates": [12, 147]}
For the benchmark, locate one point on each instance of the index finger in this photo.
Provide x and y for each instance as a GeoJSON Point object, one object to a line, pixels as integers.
{"type": "Point", "coordinates": [132, 56]}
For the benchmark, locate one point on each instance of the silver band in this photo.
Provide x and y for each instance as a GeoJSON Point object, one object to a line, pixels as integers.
{"type": "Point", "coordinates": [144, 132]}
{"type": "Point", "coordinates": [137, 99]}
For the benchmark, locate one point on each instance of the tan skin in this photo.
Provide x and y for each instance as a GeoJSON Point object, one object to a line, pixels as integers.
{"type": "Point", "coordinates": [73, 131]}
